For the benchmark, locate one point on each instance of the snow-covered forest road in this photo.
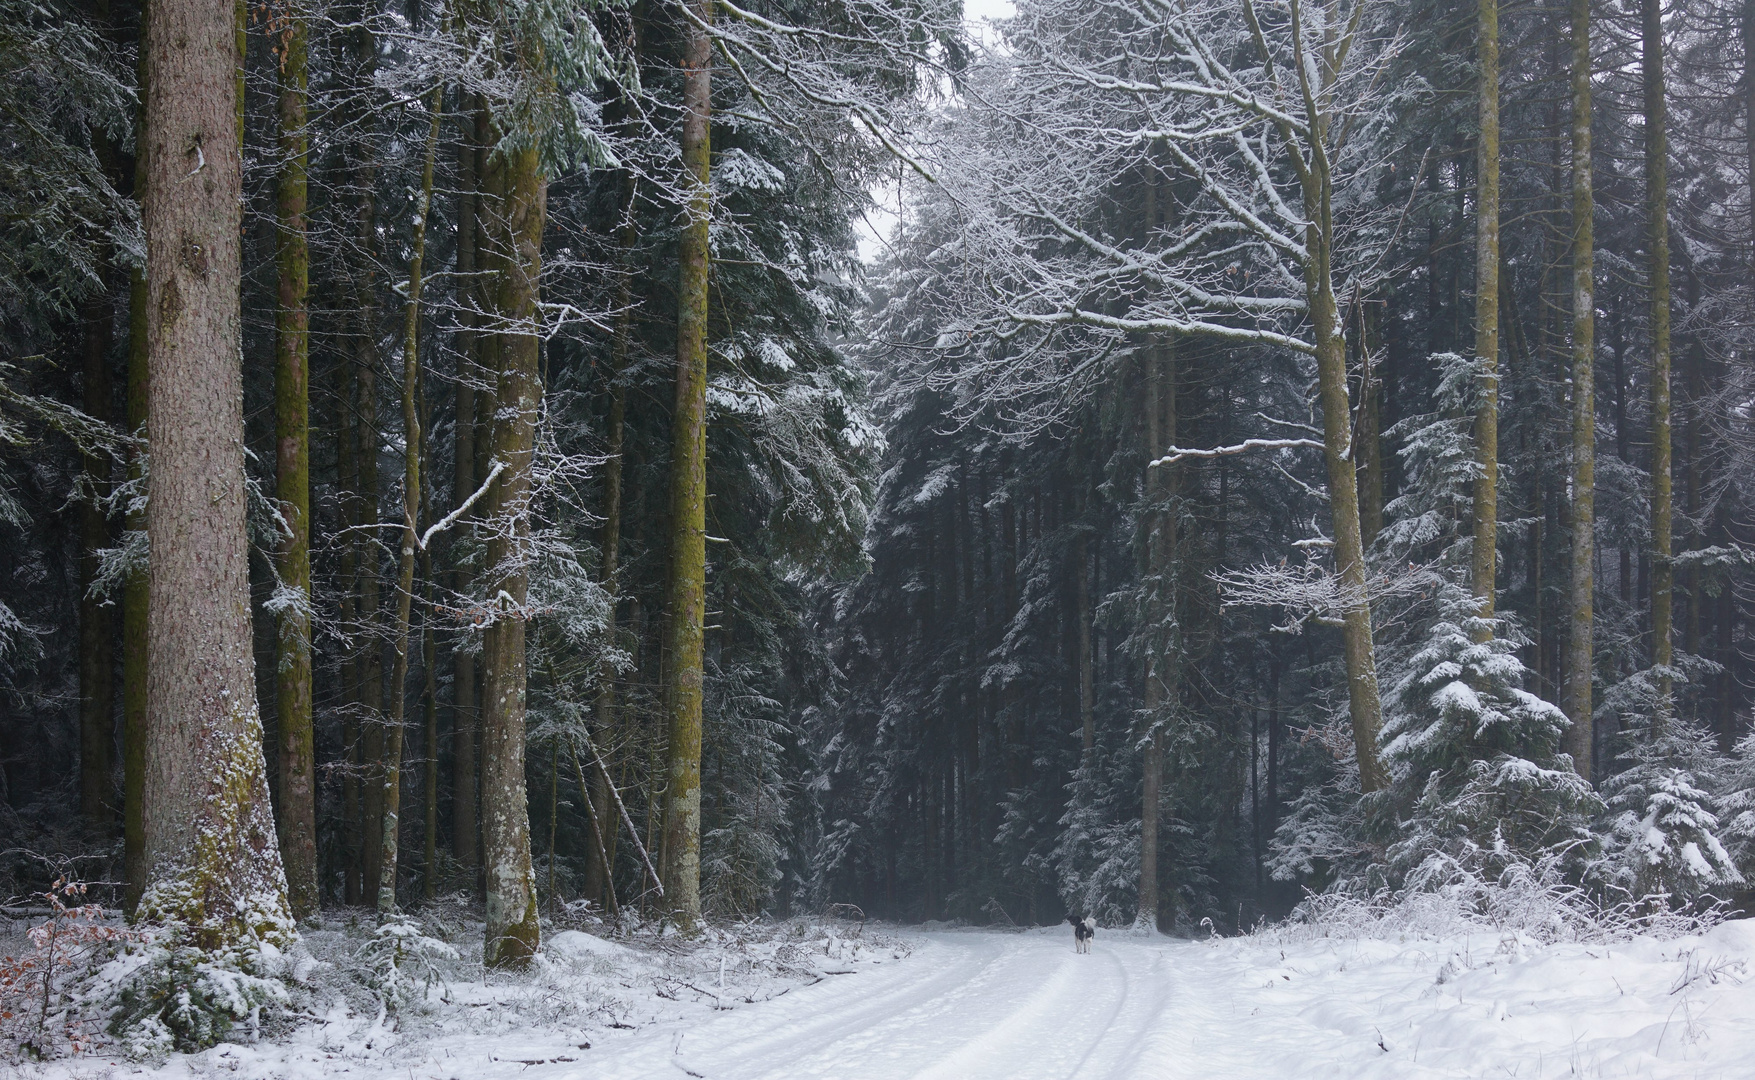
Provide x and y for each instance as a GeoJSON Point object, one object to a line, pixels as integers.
{"type": "Point", "coordinates": [972, 1005]}
{"type": "Point", "coordinates": [964, 1005]}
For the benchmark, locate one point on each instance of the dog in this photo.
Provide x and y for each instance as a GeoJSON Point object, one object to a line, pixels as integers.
{"type": "Point", "coordinates": [1084, 929]}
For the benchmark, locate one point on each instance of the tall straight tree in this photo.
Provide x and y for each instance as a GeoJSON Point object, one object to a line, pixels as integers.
{"type": "Point", "coordinates": [517, 204]}
{"type": "Point", "coordinates": [1657, 202]}
{"type": "Point", "coordinates": [1579, 737]}
{"type": "Point", "coordinates": [212, 862]}
{"type": "Point", "coordinates": [1162, 683]}
{"type": "Point", "coordinates": [1484, 570]}
{"type": "Point", "coordinates": [685, 613]}
{"type": "Point", "coordinates": [292, 450]}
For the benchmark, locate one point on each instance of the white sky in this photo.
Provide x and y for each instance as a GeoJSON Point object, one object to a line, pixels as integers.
{"type": "Point", "coordinates": [977, 14]}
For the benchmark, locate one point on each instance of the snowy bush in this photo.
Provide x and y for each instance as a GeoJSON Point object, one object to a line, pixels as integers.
{"type": "Point", "coordinates": [169, 995]}
{"type": "Point", "coordinates": [1536, 899]}
{"type": "Point", "coordinates": [1479, 779]}
{"type": "Point", "coordinates": [401, 960]}
{"type": "Point", "coordinates": [1661, 845]}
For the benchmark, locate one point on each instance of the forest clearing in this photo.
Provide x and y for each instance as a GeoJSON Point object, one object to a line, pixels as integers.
{"type": "Point", "coordinates": [514, 513]}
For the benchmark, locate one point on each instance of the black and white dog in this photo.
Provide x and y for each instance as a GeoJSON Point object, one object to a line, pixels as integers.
{"type": "Point", "coordinates": [1083, 931]}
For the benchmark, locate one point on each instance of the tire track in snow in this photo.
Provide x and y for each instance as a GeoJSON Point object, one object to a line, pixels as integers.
{"type": "Point", "coordinates": [968, 1006]}
{"type": "Point", "coordinates": [770, 1038]}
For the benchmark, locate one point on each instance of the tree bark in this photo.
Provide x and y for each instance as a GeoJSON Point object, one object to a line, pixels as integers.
{"type": "Point", "coordinates": [1365, 705]}
{"type": "Point", "coordinates": [1657, 203]}
{"type": "Point", "coordinates": [686, 608]}
{"type": "Point", "coordinates": [1580, 737]}
{"type": "Point", "coordinates": [292, 441]}
{"type": "Point", "coordinates": [394, 728]}
{"type": "Point", "coordinates": [213, 865]}
{"type": "Point", "coordinates": [1485, 563]}
{"type": "Point", "coordinates": [513, 933]}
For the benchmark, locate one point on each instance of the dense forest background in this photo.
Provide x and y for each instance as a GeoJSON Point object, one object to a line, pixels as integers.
{"type": "Point", "coordinates": [1026, 586]}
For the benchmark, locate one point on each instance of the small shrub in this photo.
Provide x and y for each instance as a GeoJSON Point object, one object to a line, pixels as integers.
{"type": "Point", "coordinates": [174, 996]}
{"type": "Point", "coordinates": [39, 990]}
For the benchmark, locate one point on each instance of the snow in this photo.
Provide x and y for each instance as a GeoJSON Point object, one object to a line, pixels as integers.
{"type": "Point", "coordinates": [950, 1004]}
{"type": "Point", "coordinates": [579, 943]}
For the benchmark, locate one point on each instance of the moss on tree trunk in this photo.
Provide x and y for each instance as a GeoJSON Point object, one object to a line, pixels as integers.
{"type": "Point", "coordinates": [687, 591]}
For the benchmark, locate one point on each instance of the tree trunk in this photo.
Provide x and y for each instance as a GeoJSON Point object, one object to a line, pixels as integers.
{"type": "Point", "coordinates": [1364, 703]}
{"type": "Point", "coordinates": [465, 712]}
{"type": "Point", "coordinates": [1657, 202]}
{"type": "Point", "coordinates": [292, 443]}
{"type": "Point", "coordinates": [686, 608]}
{"type": "Point", "coordinates": [512, 929]}
{"type": "Point", "coordinates": [213, 865]}
{"type": "Point", "coordinates": [97, 699]}
{"type": "Point", "coordinates": [1163, 682]}
{"type": "Point", "coordinates": [1579, 736]}
{"type": "Point", "coordinates": [347, 604]}
{"type": "Point", "coordinates": [394, 729]}
{"type": "Point", "coordinates": [368, 590]}
{"type": "Point", "coordinates": [598, 870]}
{"type": "Point", "coordinates": [1485, 564]}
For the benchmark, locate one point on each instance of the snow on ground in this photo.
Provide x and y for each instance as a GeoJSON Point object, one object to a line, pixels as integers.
{"type": "Point", "coordinates": [801, 1002]}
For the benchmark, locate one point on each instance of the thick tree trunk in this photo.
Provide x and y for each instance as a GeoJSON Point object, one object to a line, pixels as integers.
{"type": "Point", "coordinates": [292, 443]}
{"type": "Point", "coordinates": [97, 698]}
{"type": "Point", "coordinates": [686, 608]}
{"type": "Point", "coordinates": [1579, 737]}
{"type": "Point", "coordinates": [213, 865]}
{"type": "Point", "coordinates": [394, 728]}
{"type": "Point", "coordinates": [1485, 565]}
{"type": "Point", "coordinates": [1657, 202]}
{"type": "Point", "coordinates": [512, 930]}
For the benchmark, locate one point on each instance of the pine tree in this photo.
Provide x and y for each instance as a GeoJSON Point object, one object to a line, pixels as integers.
{"type": "Point", "coordinates": [213, 867]}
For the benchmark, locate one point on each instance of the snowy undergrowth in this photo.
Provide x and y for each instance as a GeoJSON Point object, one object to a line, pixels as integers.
{"type": "Point", "coordinates": [1524, 977]}
{"type": "Point", "coordinates": [1486, 1003]}
{"type": "Point", "coordinates": [412, 995]}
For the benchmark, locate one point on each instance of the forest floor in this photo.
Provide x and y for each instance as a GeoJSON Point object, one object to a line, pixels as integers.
{"type": "Point", "coordinates": [800, 1001]}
